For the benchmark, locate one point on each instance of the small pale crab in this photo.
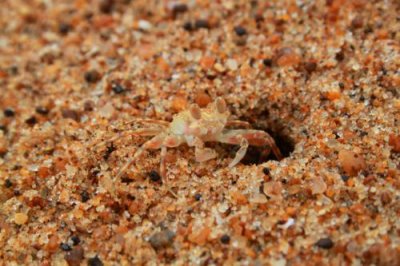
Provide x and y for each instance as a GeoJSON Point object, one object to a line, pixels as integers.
{"type": "Point", "coordinates": [195, 127]}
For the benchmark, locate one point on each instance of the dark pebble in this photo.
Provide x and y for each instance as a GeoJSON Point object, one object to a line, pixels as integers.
{"type": "Point", "coordinates": [252, 61]}
{"type": "Point", "coordinates": [345, 177]}
{"type": "Point", "coordinates": [225, 239]}
{"type": "Point", "coordinates": [13, 70]}
{"type": "Point", "coordinates": [106, 6]}
{"type": "Point", "coordinates": [267, 62]}
{"type": "Point", "coordinates": [8, 112]}
{"type": "Point", "coordinates": [357, 22]}
{"type": "Point", "coordinates": [95, 261]}
{"type": "Point", "coordinates": [8, 183]}
{"type": "Point", "coordinates": [188, 26]}
{"type": "Point", "coordinates": [162, 239]}
{"type": "Point", "coordinates": [85, 196]}
{"type": "Point", "coordinates": [325, 243]}
{"type": "Point", "coordinates": [126, 180]}
{"type": "Point", "coordinates": [92, 76]}
{"type": "Point", "coordinates": [131, 197]}
{"type": "Point", "coordinates": [266, 171]}
{"type": "Point", "coordinates": [258, 18]}
{"type": "Point", "coordinates": [339, 56]}
{"type": "Point", "coordinates": [31, 121]}
{"type": "Point", "coordinates": [71, 114]}
{"type": "Point", "coordinates": [42, 110]}
{"type": "Point", "coordinates": [65, 247]}
{"type": "Point", "coordinates": [3, 128]}
{"type": "Point", "coordinates": [197, 196]}
{"type": "Point", "coordinates": [64, 28]}
{"type": "Point", "coordinates": [108, 152]}
{"type": "Point", "coordinates": [75, 240]}
{"type": "Point", "coordinates": [88, 106]}
{"type": "Point", "coordinates": [341, 85]}
{"type": "Point", "coordinates": [154, 176]}
{"type": "Point", "coordinates": [75, 256]}
{"type": "Point", "coordinates": [240, 31]}
{"type": "Point", "coordinates": [179, 8]}
{"type": "Point", "coordinates": [310, 67]}
{"type": "Point", "coordinates": [117, 88]}
{"type": "Point", "coordinates": [201, 24]}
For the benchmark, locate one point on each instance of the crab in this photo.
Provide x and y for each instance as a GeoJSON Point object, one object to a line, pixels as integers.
{"type": "Point", "coordinates": [195, 127]}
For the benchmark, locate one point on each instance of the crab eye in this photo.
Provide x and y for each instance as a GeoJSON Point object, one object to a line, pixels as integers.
{"type": "Point", "coordinates": [221, 105]}
{"type": "Point", "coordinates": [195, 111]}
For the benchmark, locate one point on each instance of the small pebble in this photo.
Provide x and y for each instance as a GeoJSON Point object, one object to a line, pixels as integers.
{"type": "Point", "coordinates": [351, 162]}
{"type": "Point", "coordinates": [7, 183]}
{"type": "Point", "coordinates": [71, 114]}
{"type": "Point", "coordinates": [232, 64]}
{"type": "Point", "coordinates": [197, 196]}
{"type": "Point", "coordinates": [179, 8]}
{"type": "Point", "coordinates": [13, 70]}
{"type": "Point", "coordinates": [88, 106]}
{"type": "Point", "coordinates": [92, 76]}
{"type": "Point", "coordinates": [75, 240]}
{"type": "Point", "coordinates": [31, 121]}
{"type": "Point", "coordinates": [20, 218]}
{"type": "Point", "coordinates": [310, 67]}
{"type": "Point", "coordinates": [42, 110]}
{"type": "Point", "coordinates": [144, 25]}
{"type": "Point", "coordinates": [8, 112]}
{"type": "Point", "coordinates": [345, 178]}
{"type": "Point", "coordinates": [117, 88]}
{"type": "Point", "coordinates": [108, 152]}
{"type": "Point", "coordinates": [394, 142]}
{"type": "Point", "coordinates": [154, 176]}
{"type": "Point", "coordinates": [202, 99]}
{"type": "Point", "coordinates": [201, 24]}
{"type": "Point", "coordinates": [106, 6]}
{"type": "Point", "coordinates": [75, 256]}
{"type": "Point", "coordinates": [240, 31]}
{"type": "Point", "coordinates": [85, 196]}
{"type": "Point", "coordinates": [65, 247]}
{"type": "Point", "coordinates": [357, 22]}
{"type": "Point", "coordinates": [95, 261]}
{"type": "Point", "coordinates": [162, 239]}
{"type": "Point", "coordinates": [225, 239]}
{"type": "Point", "coordinates": [339, 56]}
{"type": "Point", "coordinates": [386, 198]}
{"type": "Point", "coordinates": [325, 243]}
{"type": "Point", "coordinates": [267, 62]}
{"type": "Point", "coordinates": [188, 26]}
{"type": "Point", "coordinates": [64, 28]}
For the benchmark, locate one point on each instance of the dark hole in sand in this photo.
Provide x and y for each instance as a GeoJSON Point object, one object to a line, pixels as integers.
{"type": "Point", "coordinates": [258, 155]}
{"type": "Point", "coordinates": [261, 120]}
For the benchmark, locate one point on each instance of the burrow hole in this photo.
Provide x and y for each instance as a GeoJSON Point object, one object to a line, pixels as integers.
{"type": "Point", "coordinates": [279, 132]}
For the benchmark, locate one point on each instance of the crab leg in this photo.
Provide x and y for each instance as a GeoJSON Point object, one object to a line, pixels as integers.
{"type": "Point", "coordinates": [163, 154]}
{"type": "Point", "coordinates": [252, 137]}
{"type": "Point", "coordinates": [147, 120]}
{"type": "Point", "coordinates": [138, 132]}
{"type": "Point", "coordinates": [154, 143]}
{"type": "Point", "coordinates": [237, 123]}
{"type": "Point", "coordinates": [202, 153]}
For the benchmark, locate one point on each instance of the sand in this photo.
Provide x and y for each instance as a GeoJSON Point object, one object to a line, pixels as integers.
{"type": "Point", "coordinates": [322, 77]}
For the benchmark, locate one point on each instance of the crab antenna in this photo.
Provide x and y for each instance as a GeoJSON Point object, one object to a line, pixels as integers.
{"type": "Point", "coordinates": [195, 111]}
{"type": "Point", "coordinates": [221, 105]}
